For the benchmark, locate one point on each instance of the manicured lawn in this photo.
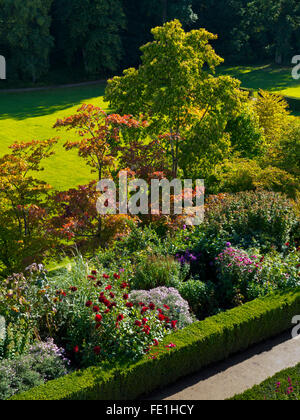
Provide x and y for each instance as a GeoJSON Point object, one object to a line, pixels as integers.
{"type": "Point", "coordinates": [31, 115]}
{"type": "Point", "coordinates": [268, 77]}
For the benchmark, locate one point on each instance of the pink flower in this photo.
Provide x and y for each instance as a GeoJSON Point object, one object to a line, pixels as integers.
{"type": "Point", "coordinates": [171, 346]}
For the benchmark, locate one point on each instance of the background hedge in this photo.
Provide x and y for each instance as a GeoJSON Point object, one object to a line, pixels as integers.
{"type": "Point", "coordinates": [198, 345]}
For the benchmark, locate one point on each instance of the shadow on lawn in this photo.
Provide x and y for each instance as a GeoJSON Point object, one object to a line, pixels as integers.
{"type": "Point", "coordinates": [267, 77]}
{"type": "Point", "coordinates": [23, 105]}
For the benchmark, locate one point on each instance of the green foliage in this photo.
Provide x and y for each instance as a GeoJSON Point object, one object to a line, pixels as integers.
{"type": "Point", "coordinates": [90, 30]}
{"type": "Point", "coordinates": [246, 135]}
{"type": "Point", "coordinates": [245, 276]}
{"type": "Point", "coordinates": [284, 386]}
{"type": "Point", "coordinates": [17, 340]}
{"type": "Point", "coordinates": [153, 271]}
{"type": "Point", "coordinates": [239, 175]}
{"type": "Point", "coordinates": [272, 112]}
{"type": "Point", "coordinates": [200, 296]}
{"type": "Point", "coordinates": [184, 104]}
{"type": "Point", "coordinates": [25, 33]}
{"type": "Point", "coordinates": [286, 153]}
{"type": "Point", "coordinates": [43, 362]}
{"type": "Point", "coordinates": [252, 219]}
{"type": "Point", "coordinates": [197, 346]}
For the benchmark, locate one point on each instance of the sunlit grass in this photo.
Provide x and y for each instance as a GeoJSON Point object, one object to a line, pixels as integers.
{"type": "Point", "coordinates": [30, 115]}
{"type": "Point", "coordinates": [268, 77]}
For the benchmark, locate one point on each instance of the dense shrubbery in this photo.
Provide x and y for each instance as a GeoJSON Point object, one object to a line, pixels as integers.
{"type": "Point", "coordinates": [252, 219]}
{"type": "Point", "coordinates": [42, 362]}
{"type": "Point", "coordinates": [86, 35]}
{"type": "Point", "coordinates": [141, 278]}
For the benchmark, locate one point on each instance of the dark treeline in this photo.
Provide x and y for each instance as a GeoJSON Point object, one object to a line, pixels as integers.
{"type": "Point", "coordinates": [102, 37]}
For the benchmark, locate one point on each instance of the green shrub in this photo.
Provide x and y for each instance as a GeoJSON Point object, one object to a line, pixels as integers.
{"type": "Point", "coordinates": [155, 271]}
{"type": "Point", "coordinates": [194, 347]}
{"type": "Point", "coordinates": [200, 296]}
{"type": "Point", "coordinates": [245, 276]}
{"type": "Point", "coordinates": [247, 175]}
{"type": "Point", "coordinates": [285, 385]}
{"type": "Point", "coordinates": [251, 219]}
{"type": "Point", "coordinates": [43, 362]}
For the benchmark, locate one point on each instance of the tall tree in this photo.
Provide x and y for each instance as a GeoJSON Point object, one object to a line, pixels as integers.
{"type": "Point", "coordinates": [143, 15]}
{"type": "Point", "coordinates": [178, 92]}
{"type": "Point", "coordinates": [90, 31]}
{"type": "Point", "coordinates": [25, 32]}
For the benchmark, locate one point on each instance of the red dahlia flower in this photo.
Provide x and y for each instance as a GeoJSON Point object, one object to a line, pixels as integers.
{"type": "Point", "coordinates": [138, 323]}
{"type": "Point", "coordinates": [96, 309]}
{"type": "Point", "coordinates": [120, 317]}
{"type": "Point", "coordinates": [109, 287]}
{"type": "Point", "coordinates": [174, 324]}
{"type": "Point", "coordinates": [117, 276]}
{"type": "Point", "coordinates": [97, 350]}
{"type": "Point", "coordinates": [89, 303]}
{"type": "Point", "coordinates": [76, 349]}
{"type": "Point", "coordinates": [125, 296]}
{"type": "Point", "coordinates": [98, 318]}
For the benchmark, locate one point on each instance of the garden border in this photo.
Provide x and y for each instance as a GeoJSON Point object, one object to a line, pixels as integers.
{"type": "Point", "coordinates": [197, 346]}
{"type": "Point", "coordinates": [259, 392]}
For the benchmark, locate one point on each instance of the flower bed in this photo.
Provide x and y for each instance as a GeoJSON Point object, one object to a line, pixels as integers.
{"type": "Point", "coordinates": [182, 353]}
{"type": "Point", "coordinates": [285, 385]}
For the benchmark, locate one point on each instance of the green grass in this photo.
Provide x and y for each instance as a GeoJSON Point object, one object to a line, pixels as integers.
{"type": "Point", "coordinates": [26, 116]}
{"type": "Point", "coordinates": [31, 115]}
{"type": "Point", "coordinates": [268, 77]}
{"type": "Point", "coordinates": [284, 385]}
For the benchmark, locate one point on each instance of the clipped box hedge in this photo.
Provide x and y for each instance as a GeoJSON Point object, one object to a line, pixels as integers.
{"type": "Point", "coordinates": [197, 346]}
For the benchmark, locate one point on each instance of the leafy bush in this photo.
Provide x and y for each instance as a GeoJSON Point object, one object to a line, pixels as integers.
{"type": "Point", "coordinates": [193, 348]}
{"type": "Point", "coordinates": [107, 325]}
{"type": "Point", "coordinates": [152, 272]}
{"type": "Point", "coordinates": [43, 362]}
{"type": "Point", "coordinates": [259, 219]}
{"type": "Point", "coordinates": [247, 175]}
{"type": "Point", "coordinates": [200, 296]}
{"type": "Point", "coordinates": [174, 306]}
{"type": "Point", "coordinates": [243, 276]}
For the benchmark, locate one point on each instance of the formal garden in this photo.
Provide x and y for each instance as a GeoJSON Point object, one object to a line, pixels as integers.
{"type": "Point", "coordinates": [112, 307]}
